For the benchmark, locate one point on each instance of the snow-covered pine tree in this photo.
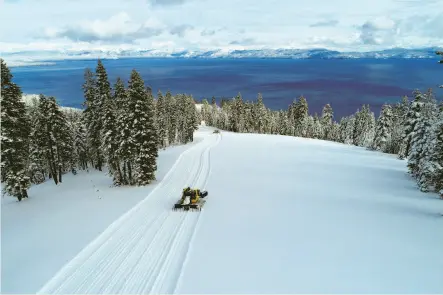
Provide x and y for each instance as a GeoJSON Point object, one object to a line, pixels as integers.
{"type": "Point", "coordinates": [37, 169]}
{"type": "Point", "coordinates": [181, 108]}
{"type": "Point", "coordinates": [411, 120]}
{"type": "Point", "coordinates": [191, 119]}
{"type": "Point", "coordinates": [318, 128]}
{"type": "Point", "coordinates": [206, 112]}
{"type": "Point", "coordinates": [250, 125]}
{"type": "Point", "coordinates": [273, 119]}
{"type": "Point", "coordinates": [383, 129]}
{"type": "Point", "coordinates": [268, 121]}
{"type": "Point", "coordinates": [349, 138]}
{"type": "Point", "coordinates": [102, 93]}
{"type": "Point", "coordinates": [53, 137]}
{"type": "Point", "coordinates": [369, 128]}
{"type": "Point", "coordinates": [143, 133]}
{"type": "Point", "coordinates": [310, 127]}
{"type": "Point", "coordinates": [421, 135]}
{"type": "Point", "coordinates": [125, 116]}
{"type": "Point", "coordinates": [281, 123]}
{"type": "Point", "coordinates": [326, 121]}
{"type": "Point", "coordinates": [162, 120]}
{"type": "Point", "coordinates": [90, 115]}
{"type": "Point", "coordinates": [427, 164]}
{"type": "Point", "coordinates": [292, 117]}
{"type": "Point", "coordinates": [399, 112]}
{"type": "Point", "coordinates": [172, 115]}
{"type": "Point", "coordinates": [334, 134]}
{"type": "Point", "coordinates": [342, 129]}
{"type": "Point", "coordinates": [301, 115]}
{"type": "Point", "coordinates": [364, 127]}
{"type": "Point", "coordinates": [110, 132]}
{"type": "Point", "coordinates": [214, 113]}
{"type": "Point", "coordinates": [259, 115]}
{"type": "Point", "coordinates": [15, 130]}
{"type": "Point", "coordinates": [223, 115]}
{"type": "Point", "coordinates": [437, 156]}
{"type": "Point", "coordinates": [80, 144]}
{"type": "Point", "coordinates": [236, 115]}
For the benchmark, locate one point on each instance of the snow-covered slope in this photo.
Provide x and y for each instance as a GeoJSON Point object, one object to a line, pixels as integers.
{"type": "Point", "coordinates": [40, 234]}
{"type": "Point", "coordinates": [283, 215]}
{"type": "Point", "coordinates": [35, 57]}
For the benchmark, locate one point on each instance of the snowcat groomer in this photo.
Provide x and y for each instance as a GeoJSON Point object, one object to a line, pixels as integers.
{"type": "Point", "coordinates": [191, 199]}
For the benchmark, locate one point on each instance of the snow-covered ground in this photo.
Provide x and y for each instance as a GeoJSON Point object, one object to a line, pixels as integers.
{"type": "Point", "coordinates": [283, 215]}
{"type": "Point", "coordinates": [41, 234]}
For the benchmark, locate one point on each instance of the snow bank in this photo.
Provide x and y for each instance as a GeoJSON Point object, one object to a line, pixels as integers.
{"type": "Point", "coordinates": [42, 233]}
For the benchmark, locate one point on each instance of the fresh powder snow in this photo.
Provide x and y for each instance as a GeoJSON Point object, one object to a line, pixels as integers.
{"type": "Point", "coordinates": [283, 215]}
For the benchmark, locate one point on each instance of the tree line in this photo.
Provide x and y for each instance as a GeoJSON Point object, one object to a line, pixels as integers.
{"type": "Point", "coordinates": [120, 128]}
{"type": "Point", "coordinates": [411, 129]}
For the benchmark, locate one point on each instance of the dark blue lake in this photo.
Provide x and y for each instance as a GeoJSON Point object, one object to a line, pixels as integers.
{"type": "Point", "coordinates": [344, 83]}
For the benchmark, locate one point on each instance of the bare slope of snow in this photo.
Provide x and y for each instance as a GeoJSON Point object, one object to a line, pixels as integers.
{"type": "Point", "coordinates": [289, 215]}
{"type": "Point", "coordinates": [283, 215]}
{"type": "Point", "coordinates": [42, 233]}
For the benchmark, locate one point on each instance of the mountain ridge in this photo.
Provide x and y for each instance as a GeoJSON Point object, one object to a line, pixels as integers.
{"type": "Point", "coordinates": [36, 57]}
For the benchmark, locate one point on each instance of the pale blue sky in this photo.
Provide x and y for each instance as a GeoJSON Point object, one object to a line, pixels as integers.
{"type": "Point", "coordinates": [349, 25]}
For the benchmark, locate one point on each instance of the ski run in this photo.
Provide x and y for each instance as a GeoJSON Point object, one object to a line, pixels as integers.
{"type": "Point", "coordinates": [283, 215]}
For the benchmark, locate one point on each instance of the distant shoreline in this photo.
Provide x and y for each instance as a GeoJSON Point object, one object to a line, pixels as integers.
{"type": "Point", "coordinates": [41, 58]}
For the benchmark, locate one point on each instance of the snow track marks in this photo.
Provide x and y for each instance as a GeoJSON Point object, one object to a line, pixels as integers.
{"type": "Point", "coordinates": [145, 250]}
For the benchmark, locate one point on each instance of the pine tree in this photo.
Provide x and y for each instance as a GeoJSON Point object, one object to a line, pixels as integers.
{"type": "Point", "coordinates": [418, 143]}
{"type": "Point", "coordinates": [364, 127]}
{"type": "Point", "coordinates": [80, 144]}
{"type": "Point", "coordinates": [126, 150]}
{"type": "Point", "coordinates": [53, 137]}
{"type": "Point", "coordinates": [172, 121]}
{"type": "Point", "coordinates": [191, 119]}
{"type": "Point", "coordinates": [326, 121]}
{"type": "Point", "coordinates": [428, 163]}
{"type": "Point", "coordinates": [383, 129]}
{"type": "Point", "coordinates": [422, 161]}
{"type": "Point", "coordinates": [236, 116]}
{"type": "Point", "coordinates": [399, 112]}
{"type": "Point", "coordinates": [110, 133]}
{"type": "Point", "coordinates": [15, 130]}
{"type": "Point", "coordinates": [318, 127]}
{"type": "Point", "coordinates": [214, 113]}
{"type": "Point", "coordinates": [90, 115]}
{"type": "Point", "coordinates": [259, 115]}
{"type": "Point", "coordinates": [162, 119]}
{"type": "Point", "coordinates": [143, 130]}
{"type": "Point", "coordinates": [437, 156]}
{"type": "Point", "coordinates": [37, 168]}
{"type": "Point", "coordinates": [206, 112]}
{"type": "Point", "coordinates": [412, 118]}
{"type": "Point", "coordinates": [282, 123]}
{"type": "Point", "coordinates": [301, 115]}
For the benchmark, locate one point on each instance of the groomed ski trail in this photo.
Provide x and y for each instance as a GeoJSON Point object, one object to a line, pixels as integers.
{"type": "Point", "coordinates": [143, 252]}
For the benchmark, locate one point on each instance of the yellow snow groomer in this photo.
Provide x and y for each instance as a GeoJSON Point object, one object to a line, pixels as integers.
{"type": "Point", "coordinates": [191, 199]}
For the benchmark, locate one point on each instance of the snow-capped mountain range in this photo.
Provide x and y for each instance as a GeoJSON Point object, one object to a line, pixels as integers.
{"type": "Point", "coordinates": [22, 58]}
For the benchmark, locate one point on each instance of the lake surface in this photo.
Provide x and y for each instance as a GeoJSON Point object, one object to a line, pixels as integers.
{"type": "Point", "coordinates": [346, 84]}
